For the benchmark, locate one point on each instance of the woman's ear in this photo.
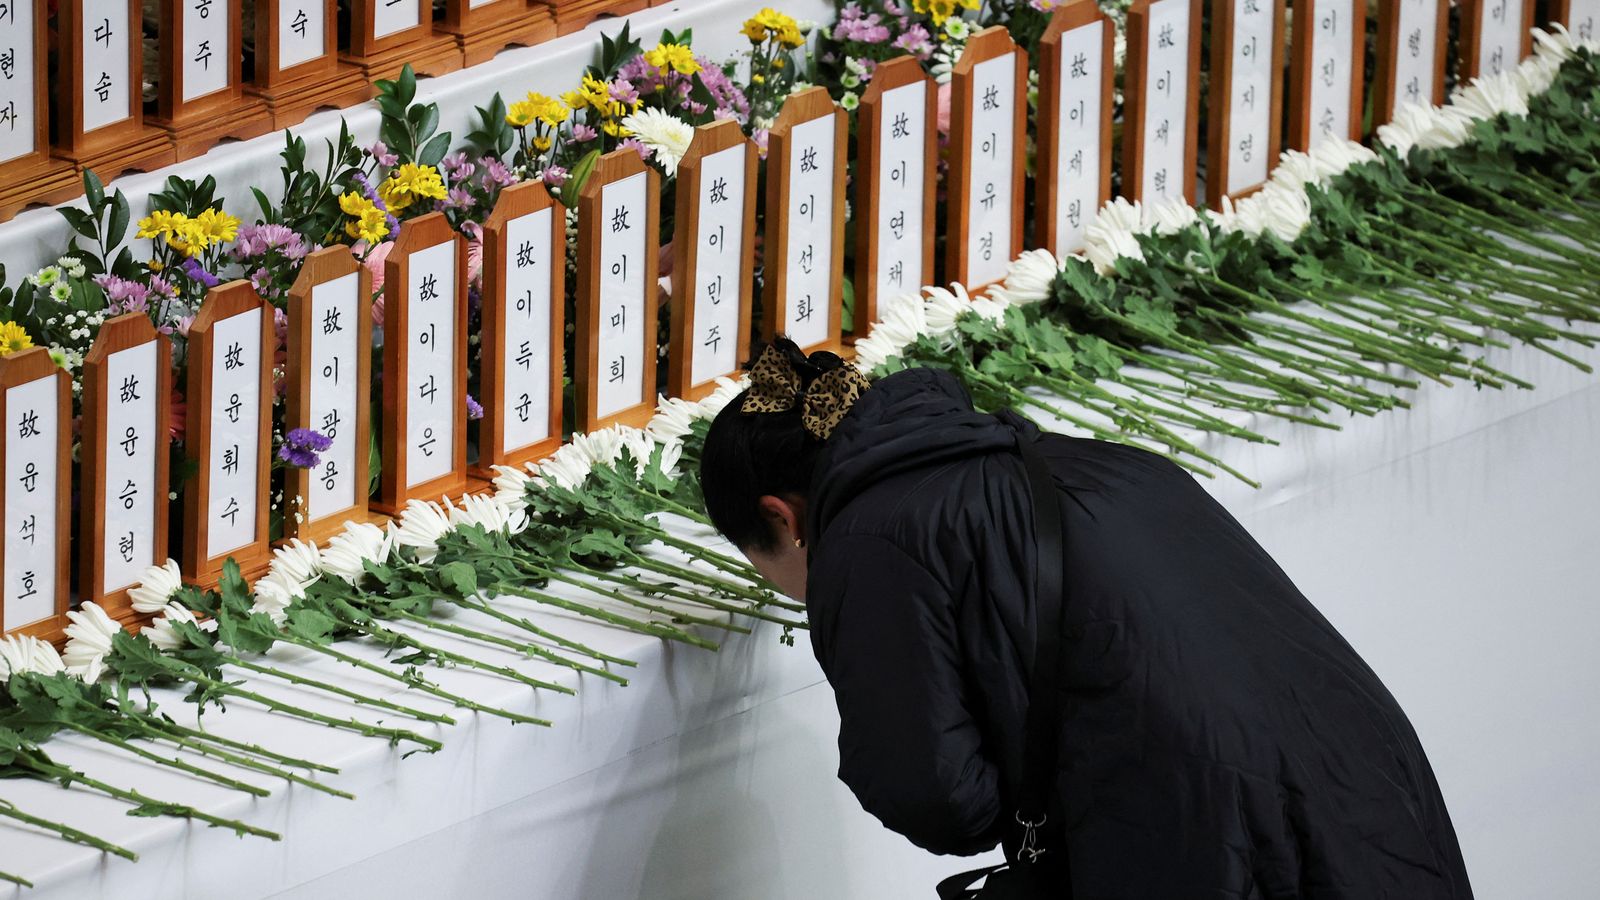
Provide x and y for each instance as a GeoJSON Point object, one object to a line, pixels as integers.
{"type": "Point", "coordinates": [786, 516]}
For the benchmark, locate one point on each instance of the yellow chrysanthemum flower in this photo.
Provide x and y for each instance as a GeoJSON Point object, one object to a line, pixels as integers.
{"type": "Point", "coordinates": [14, 337]}
{"type": "Point", "coordinates": [410, 183]}
{"type": "Point", "coordinates": [521, 114]}
{"type": "Point", "coordinates": [549, 110]}
{"type": "Point", "coordinates": [371, 226]}
{"type": "Point", "coordinates": [574, 100]}
{"type": "Point", "coordinates": [353, 204]}
{"type": "Point", "coordinates": [190, 237]}
{"type": "Point", "coordinates": [160, 222]}
{"type": "Point", "coordinates": [219, 226]}
{"type": "Point", "coordinates": [543, 142]}
{"type": "Point", "coordinates": [754, 30]}
{"type": "Point", "coordinates": [676, 57]}
{"type": "Point", "coordinates": [941, 10]}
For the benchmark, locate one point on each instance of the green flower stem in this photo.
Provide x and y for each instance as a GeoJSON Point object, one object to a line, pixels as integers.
{"type": "Point", "coordinates": [1067, 380]}
{"type": "Point", "coordinates": [1452, 299]}
{"type": "Point", "coordinates": [218, 739]}
{"type": "Point", "coordinates": [1508, 209]}
{"type": "Point", "coordinates": [1019, 396]}
{"type": "Point", "coordinates": [495, 640]}
{"type": "Point", "coordinates": [15, 879]}
{"type": "Point", "coordinates": [1218, 394]}
{"type": "Point", "coordinates": [727, 588]}
{"type": "Point", "coordinates": [66, 776]}
{"type": "Point", "coordinates": [658, 588]}
{"type": "Point", "coordinates": [401, 639]}
{"type": "Point", "coordinates": [531, 650]}
{"type": "Point", "coordinates": [393, 735]}
{"type": "Point", "coordinates": [353, 696]}
{"type": "Point", "coordinates": [576, 647]}
{"type": "Point", "coordinates": [1519, 286]}
{"type": "Point", "coordinates": [236, 759]}
{"type": "Point", "coordinates": [1331, 362]}
{"type": "Point", "coordinates": [652, 629]}
{"type": "Point", "coordinates": [10, 811]}
{"type": "Point", "coordinates": [554, 574]}
{"type": "Point", "coordinates": [1563, 254]}
{"type": "Point", "coordinates": [665, 503]}
{"type": "Point", "coordinates": [412, 680]}
{"type": "Point", "coordinates": [171, 762]}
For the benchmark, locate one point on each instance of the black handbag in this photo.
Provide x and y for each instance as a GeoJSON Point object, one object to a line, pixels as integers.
{"type": "Point", "coordinates": [1034, 867]}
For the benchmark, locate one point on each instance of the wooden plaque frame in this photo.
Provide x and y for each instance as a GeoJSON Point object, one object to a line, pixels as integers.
{"type": "Point", "coordinates": [294, 92]}
{"type": "Point", "coordinates": [523, 199]}
{"type": "Point", "coordinates": [1470, 43]}
{"type": "Point", "coordinates": [575, 15]}
{"type": "Point", "coordinates": [199, 564]}
{"type": "Point", "coordinates": [1388, 48]}
{"type": "Point", "coordinates": [195, 126]}
{"type": "Point", "coordinates": [895, 73]}
{"type": "Point", "coordinates": [988, 44]}
{"type": "Point", "coordinates": [1301, 76]}
{"type": "Point", "coordinates": [1133, 125]}
{"type": "Point", "coordinates": [428, 52]}
{"type": "Point", "coordinates": [806, 106]}
{"type": "Point", "coordinates": [1561, 12]}
{"type": "Point", "coordinates": [1218, 137]}
{"type": "Point", "coordinates": [320, 267]}
{"type": "Point", "coordinates": [18, 369]}
{"type": "Point", "coordinates": [418, 234]}
{"type": "Point", "coordinates": [483, 32]}
{"type": "Point", "coordinates": [614, 166]}
{"type": "Point", "coordinates": [37, 177]}
{"type": "Point", "coordinates": [125, 332]}
{"type": "Point", "coordinates": [120, 147]}
{"type": "Point", "coordinates": [708, 140]}
{"type": "Point", "coordinates": [1071, 16]}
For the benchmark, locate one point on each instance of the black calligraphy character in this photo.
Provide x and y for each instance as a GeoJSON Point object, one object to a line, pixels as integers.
{"type": "Point", "coordinates": [30, 525]}
{"type": "Point", "coordinates": [428, 440]}
{"type": "Point", "coordinates": [30, 424]}
{"type": "Point", "coordinates": [233, 408]}
{"type": "Point", "coordinates": [719, 190]}
{"type": "Point", "coordinates": [130, 441]}
{"type": "Point", "coordinates": [231, 511]}
{"type": "Point", "coordinates": [1080, 66]}
{"type": "Point", "coordinates": [991, 97]}
{"type": "Point", "coordinates": [713, 338]}
{"type": "Point", "coordinates": [330, 475]}
{"type": "Point", "coordinates": [102, 88]}
{"type": "Point", "coordinates": [430, 288]}
{"type": "Point", "coordinates": [808, 160]}
{"type": "Point", "coordinates": [902, 126]}
{"type": "Point", "coordinates": [8, 63]}
{"type": "Point", "coordinates": [525, 254]}
{"type": "Point", "coordinates": [330, 423]}
{"type": "Point", "coordinates": [129, 494]}
{"type": "Point", "coordinates": [130, 389]}
{"type": "Point", "coordinates": [525, 354]}
{"type": "Point", "coordinates": [102, 32]}
{"type": "Point", "coordinates": [429, 389]}
{"type": "Point", "coordinates": [125, 546]}
{"type": "Point", "coordinates": [233, 357]}
{"type": "Point", "coordinates": [28, 590]}
{"type": "Point", "coordinates": [230, 460]}
{"type": "Point", "coordinates": [524, 407]}
{"type": "Point", "coordinates": [203, 7]}
{"type": "Point", "coordinates": [299, 23]}
{"type": "Point", "coordinates": [619, 220]}
{"type": "Point", "coordinates": [1164, 37]}
{"type": "Point", "coordinates": [897, 273]}
{"type": "Point", "coordinates": [330, 321]}
{"type": "Point", "coordinates": [619, 367]}
{"type": "Point", "coordinates": [202, 54]}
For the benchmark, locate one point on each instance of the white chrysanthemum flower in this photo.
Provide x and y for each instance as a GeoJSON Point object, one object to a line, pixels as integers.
{"type": "Point", "coordinates": [1285, 211]}
{"type": "Point", "coordinates": [511, 486]}
{"type": "Point", "coordinates": [348, 551]}
{"type": "Point", "coordinates": [901, 320]}
{"type": "Point", "coordinates": [1405, 128]}
{"type": "Point", "coordinates": [671, 455]}
{"type": "Point", "coordinates": [88, 641]}
{"type": "Point", "coordinates": [943, 306]}
{"type": "Point", "coordinates": [422, 523]}
{"type": "Point", "coordinates": [1295, 169]}
{"type": "Point", "coordinates": [273, 596]}
{"type": "Point", "coordinates": [160, 631]}
{"type": "Point", "coordinates": [665, 134]}
{"type": "Point", "coordinates": [156, 587]}
{"type": "Point", "coordinates": [1449, 128]}
{"type": "Point", "coordinates": [640, 446]}
{"type": "Point", "coordinates": [489, 514]}
{"type": "Point", "coordinates": [721, 396]}
{"type": "Point", "coordinates": [1534, 75]}
{"type": "Point", "coordinates": [1170, 217]}
{"type": "Point", "coordinates": [1331, 157]}
{"type": "Point", "coordinates": [1030, 278]}
{"type": "Point", "coordinates": [1111, 235]}
{"type": "Point", "coordinates": [24, 654]}
{"type": "Point", "coordinates": [1488, 97]}
{"type": "Point", "coordinates": [296, 561]}
{"type": "Point", "coordinates": [674, 420]}
{"type": "Point", "coordinates": [601, 447]}
{"type": "Point", "coordinates": [1556, 44]}
{"type": "Point", "coordinates": [567, 468]}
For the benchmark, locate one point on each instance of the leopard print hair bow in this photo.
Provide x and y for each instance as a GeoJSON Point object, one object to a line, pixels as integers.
{"type": "Point", "coordinates": [775, 386]}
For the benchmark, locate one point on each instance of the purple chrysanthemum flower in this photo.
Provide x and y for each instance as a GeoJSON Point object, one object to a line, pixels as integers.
{"type": "Point", "coordinates": [191, 267]}
{"type": "Point", "coordinates": [474, 409]}
{"type": "Point", "coordinates": [380, 152]}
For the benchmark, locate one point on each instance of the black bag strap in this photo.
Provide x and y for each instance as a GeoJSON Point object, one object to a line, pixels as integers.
{"type": "Point", "coordinates": [1040, 755]}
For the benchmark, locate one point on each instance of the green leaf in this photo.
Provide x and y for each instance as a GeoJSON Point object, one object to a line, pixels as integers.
{"type": "Point", "coordinates": [434, 150]}
{"type": "Point", "coordinates": [81, 221]}
{"type": "Point", "coordinates": [460, 577]}
{"type": "Point", "coordinates": [93, 190]}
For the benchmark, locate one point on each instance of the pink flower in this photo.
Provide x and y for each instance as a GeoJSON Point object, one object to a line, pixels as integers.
{"type": "Point", "coordinates": [183, 325]}
{"type": "Point", "coordinates": [638, 147]}
{"type": "Point", "coordinates": [377, 311]}
{"type": "Point", "coordinates": [474, 259]}
{"type": "Point", "coordinates": [374, 263]}
{"type": "Point", "coordinates": [944, 108]}
{"type": "Point", "coordinates": [584, 133]}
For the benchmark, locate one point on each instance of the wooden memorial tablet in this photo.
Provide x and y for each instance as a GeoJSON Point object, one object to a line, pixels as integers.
{"type": "Point", "coordinates": [1246, 102]}
{"type": "Point", "coordinates": [1581, 17]}
{"type": "Point", "coordinates": [1076, 77]}
{"type": "Point", "coordinates": [619, 226]}
{"type": "Point", "coordinates": [988, 158]}
{"type": "Point", "coordinates": [804, 237]}
{"type": "Point", "coordinates": [524, 295]}
{"type": "Point", "coordinates": [228, 435]}
{"type": "Point", "coordinates": [329, 378]}
{"type": "Point", "coordinates": [574, 15]}
{"type": "Point", "coordinates": [387, 34]}
{"type": "Point", "coordinates": [298, 70]}
{"type": "Point", "coordinates": [1495, 36]}
{"type": "Point", "coordinates": [99, 90]}
{"type": "Point", "coordinates": [1411, 55]}
{"type": "Point", "coordinates": [898, 145]}
{"type": "Point", "coordinates": [127, 390]}
{"type": "Point", "coordinates": [36, 410]}
{"type": "Point", "coordinates": [1161, 112]}
{"type": "Point", "coordinates": [28, 174]}
{"type": "Point", "coordinates": [424, 365]}
{"type": "Point", "coordinates": [1326, 68]}
{"type": "Point", "coordinates": [714, 239]}
{"type": "Point", "coordinates": [200, 96]}
{"type": "Point", "coordinates": [483, 28]}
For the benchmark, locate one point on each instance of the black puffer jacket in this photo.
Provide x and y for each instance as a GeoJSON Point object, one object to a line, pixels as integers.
{"type": "Point", "coordinates": [1219, 738]}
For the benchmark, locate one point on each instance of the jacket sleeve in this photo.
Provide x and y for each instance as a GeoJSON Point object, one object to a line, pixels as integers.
{"type": "Point", "coordinates": [885, 634]}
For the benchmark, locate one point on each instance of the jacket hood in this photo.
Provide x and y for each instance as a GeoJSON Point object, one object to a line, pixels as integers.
{"type": "Point", "coordinates": [908, 420]}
